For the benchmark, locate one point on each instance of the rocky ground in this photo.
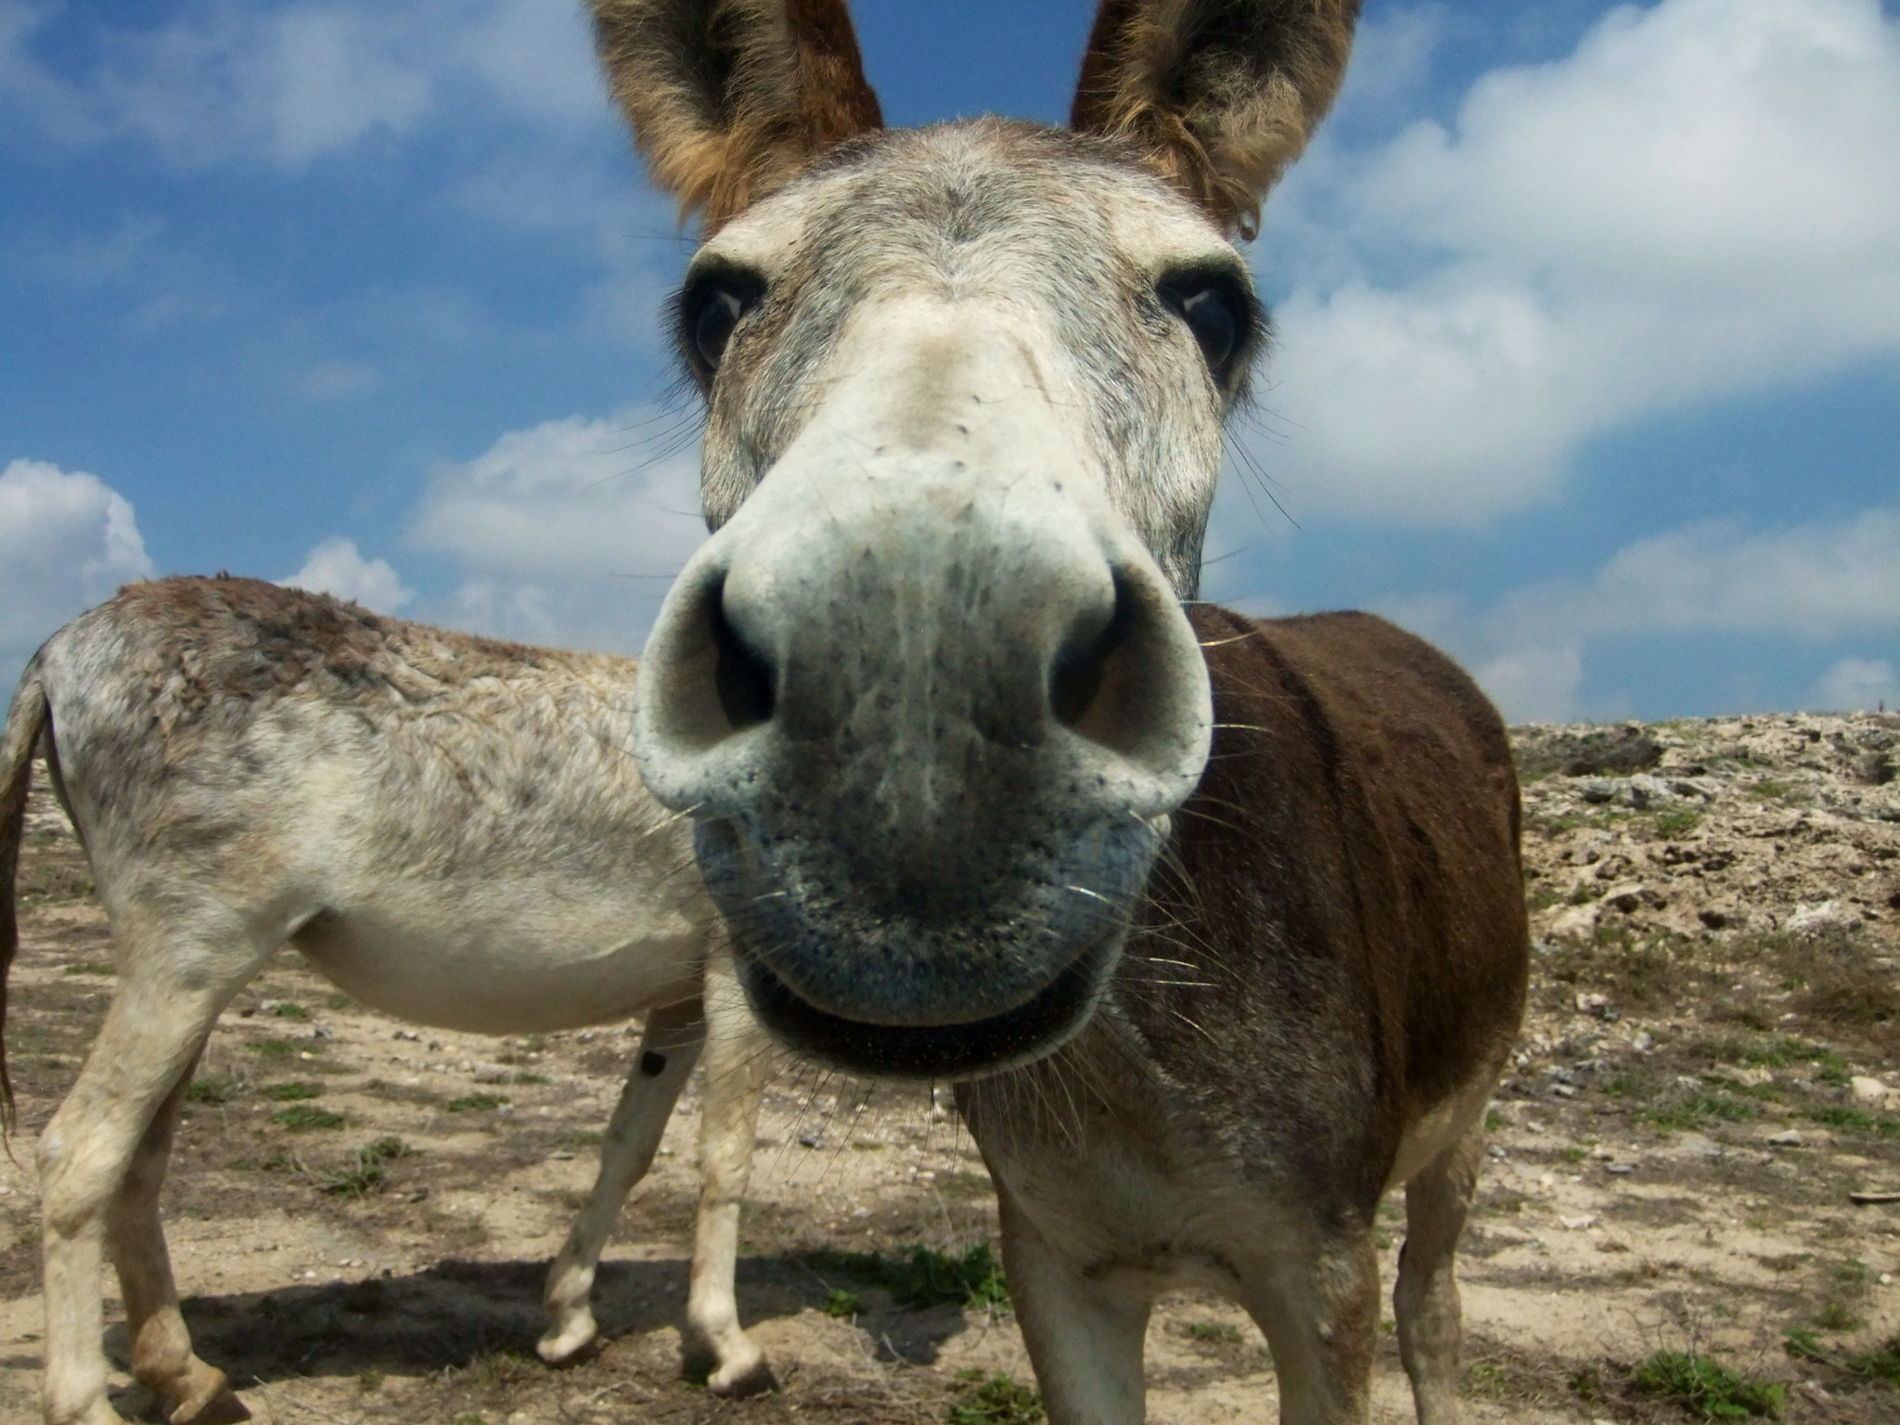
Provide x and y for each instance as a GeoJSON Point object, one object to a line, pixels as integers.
{"type": "Point", "coordinates": [1668, 1228]}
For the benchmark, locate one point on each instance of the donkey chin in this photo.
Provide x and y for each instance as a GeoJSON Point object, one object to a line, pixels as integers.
{"type": "Point", "coordinates": [971, 970]}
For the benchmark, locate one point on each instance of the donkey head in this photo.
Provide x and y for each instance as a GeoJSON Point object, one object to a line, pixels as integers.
{"type": "Point", "coordinates": [928, 690]}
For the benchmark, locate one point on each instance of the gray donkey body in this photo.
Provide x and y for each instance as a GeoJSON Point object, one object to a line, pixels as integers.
{"type": "Point", "coordinates": [449, 828]}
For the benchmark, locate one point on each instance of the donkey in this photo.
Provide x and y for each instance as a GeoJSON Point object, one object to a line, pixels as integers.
{"type": "Point", "coordinates": [451, 829]}
{"type": "Point", "coordinates": [933, 699]}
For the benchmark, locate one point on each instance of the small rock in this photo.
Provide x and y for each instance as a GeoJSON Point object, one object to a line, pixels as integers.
{"type": "Point", "coordinates": [1622, 1170]}
{"type": "Point", "coordinates": [810, 1140]}
{"type": "Point", "coordinates": [1631, 897]}
{"type": "Point", "coordinates": [1869, 1090]}
{"type": "Point", "coordinates": [1787, 1138]}
{"type": "Point", "coordinates": [408, 1034]}
{"type": "Point", "coordinates": [1578, 1224]}
{"type": "Point", "coordinates": [1644, 1042]}
{"type": "Point", "coordinates": [1821, 917]}
{"type": "Point", "coordinates": [1873, 769]}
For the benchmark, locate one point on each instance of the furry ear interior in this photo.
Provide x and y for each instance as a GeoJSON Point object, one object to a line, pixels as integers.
{"type": "Point", "coordinates": [731, 98]}
{"type": "Point", "coordinates": [1222, 94]}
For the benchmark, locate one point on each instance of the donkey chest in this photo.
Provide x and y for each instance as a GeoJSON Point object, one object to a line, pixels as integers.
{"type": "Point", "coordinates": [1121, 1209]}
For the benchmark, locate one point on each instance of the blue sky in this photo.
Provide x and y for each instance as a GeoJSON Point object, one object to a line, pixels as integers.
{"type": "Point", "coordinates": [1589, 315]}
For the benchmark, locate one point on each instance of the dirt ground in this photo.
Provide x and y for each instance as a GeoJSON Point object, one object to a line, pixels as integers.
{"type": "Point", "coordinates": [360, 1212]}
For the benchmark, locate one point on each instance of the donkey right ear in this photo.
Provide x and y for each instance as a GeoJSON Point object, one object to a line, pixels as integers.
{"type": "Point", "coordinates": [1221, 95]}
{"type": "Point", "coordinates": [729, 99]}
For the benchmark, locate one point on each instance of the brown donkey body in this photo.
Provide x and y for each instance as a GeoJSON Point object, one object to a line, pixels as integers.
{"type": "Point", "coordinates": [1315, 1005]}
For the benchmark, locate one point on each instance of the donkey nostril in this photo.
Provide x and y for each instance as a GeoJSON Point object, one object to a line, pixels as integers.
{"type": "Point", "coordinates": [1085, 667]}
{"type": "Point", "coordinates": [742, 676]}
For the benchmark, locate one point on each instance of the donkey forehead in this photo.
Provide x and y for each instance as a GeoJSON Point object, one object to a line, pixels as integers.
{"type": "Point", "coordinates": [971, 205]}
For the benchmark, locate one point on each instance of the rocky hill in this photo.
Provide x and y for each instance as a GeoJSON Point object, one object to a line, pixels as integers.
{"type": "Point", "coordinates": [1709, 827]}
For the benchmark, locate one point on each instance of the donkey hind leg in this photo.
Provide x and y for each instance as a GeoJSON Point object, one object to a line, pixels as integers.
{"type": "Point", "coordinates": [170, 994]}
{"type": "Point", "coordinates": [736, 1053]}
{"type": "Point", "coordinates": [669, 1047]}
{"type": "Point", "coordinates": [1085, 1338]}
{"type": "Point", "coordinates": [1426, 1298]}
{"type": "Point", "coordinates": [162, 1357]}
{"type": "Point", "coordinates": [1319, 1310]}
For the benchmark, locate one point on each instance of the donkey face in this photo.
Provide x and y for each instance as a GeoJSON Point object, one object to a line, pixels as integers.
{"type": "Point", "coordinates": [928, 690]}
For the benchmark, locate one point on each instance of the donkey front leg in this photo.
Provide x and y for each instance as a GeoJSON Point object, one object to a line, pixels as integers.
{"type": "Point", "coordinates": [1319, 1306]}
{"type": "Point", "coordinates": [668, 1050]}
{"type": "Point", "coordinates": [171, 991]}
{"type": "Point", "coordinates": [162, 1357]}
{"type": "Point", "coordinates": [736, 1051]}
{"type": "Point", "coordinates": [1085, 1338]}
{"type": "Point", "coordinates": [1437, 1200]}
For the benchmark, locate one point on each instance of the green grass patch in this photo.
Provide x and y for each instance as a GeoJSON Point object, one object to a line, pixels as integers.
{"type": "Point", "coordinates": [843, 1304]}
{"type": "Point", "coordinates": [1699, 1111]}
{"type": "Point", "coordinates": [284, 1009]}
{"type": "Point", "coordinates": [90, 967]}
{"type": "Point", "coordinates": [1804, 1345]}
{"type": "Point", "coordinates": [475, 1103]}
{"type": "Point", "coordinates": [1837, 1315]}
{"type": "Point", "coordinates": [1707, 1388]}
{"type": "Point", "coordinates": [307, 1118]}
{"type": "Point", "coordinates": [284, 1048]}
{"type": "Point", "coordinates": [367, 1172]}
{"type": "Point", "coordinates": [214, 1090]}
{"type": "Point", "coordinates": [1221, 1333]}
{"type": "Point", "coordinates": [925, 1277]}
{"type": "Point", "coordinates": [1881, 1364]}
{"type": "Point", "coordinates": [295, 1091]}
{"type": "Point", "coordinates": [1855, 1120]}
{"type": "Point", "coordinates": [1783, 1051]}
{"type": "Point", "coordinates": [997, 1400]}
{"type": "Point", "coordinates": [1679, 822]}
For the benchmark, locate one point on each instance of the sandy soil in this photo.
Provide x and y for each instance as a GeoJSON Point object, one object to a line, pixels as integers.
{"type": "Point", "coordinates": [1708, 1073]}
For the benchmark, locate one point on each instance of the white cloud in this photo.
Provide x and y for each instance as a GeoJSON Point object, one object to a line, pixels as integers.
{"type": "Point", "coordinates": [1702, 201]}
{"type": "Point", "coordinates": [1856, 685]}
{"type": "Point", "coordinates": [1535, 684]}
{"type": "Point", "coordinates": [67, 541]}
{"type": "Point", "coordinates": [223, 80]}
{"type": "Point", "coordinates": [570, 531]}
{"type": "Point", "coordinates": [336, 566]}
{"type": "Point", "coordinates": [1819, 582]}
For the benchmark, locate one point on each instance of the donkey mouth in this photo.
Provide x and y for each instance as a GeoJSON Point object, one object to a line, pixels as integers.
{"type": "Point", "coordinates": [1037, 1026]}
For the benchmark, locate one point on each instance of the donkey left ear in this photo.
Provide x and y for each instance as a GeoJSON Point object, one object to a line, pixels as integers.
{"type": "Point", "coordinates": [729, 99]}
{"type": "Point", "coordinates": [1222, 94]}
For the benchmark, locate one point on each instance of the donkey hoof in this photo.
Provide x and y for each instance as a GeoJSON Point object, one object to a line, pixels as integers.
{"type": "Point", "coordinates": [737, 1379]}
{"type": "Point", "coordinates": [568, 1342]}
{"type": "Point", "coordinates": [216, 1404]}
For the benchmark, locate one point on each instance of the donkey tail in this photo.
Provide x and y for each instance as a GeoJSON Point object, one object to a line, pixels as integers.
{"type": "Point", "coordinates": [26, 725]}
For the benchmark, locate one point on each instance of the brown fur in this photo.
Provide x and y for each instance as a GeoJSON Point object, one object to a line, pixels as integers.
{"type": "Point", "coordinates": [1221, 94]}
{"type": "Point", "coordinates": [1321, 988]}
{"type": "Point", "coordinates": [1353, 853]}
{"type": "Point", "coordinates": [730, 99]}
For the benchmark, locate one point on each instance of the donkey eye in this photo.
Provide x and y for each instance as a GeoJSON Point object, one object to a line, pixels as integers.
{"type": "Point", "coordinates": [1210, 313]}
{"type": "Point", "coordinates": [711, 309]}
{"type": "Point", "coordinates": [719, 312]}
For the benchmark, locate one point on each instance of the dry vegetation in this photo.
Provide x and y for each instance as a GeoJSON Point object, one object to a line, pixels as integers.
{"type": "Point", "coordinates": [360, 1212]}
